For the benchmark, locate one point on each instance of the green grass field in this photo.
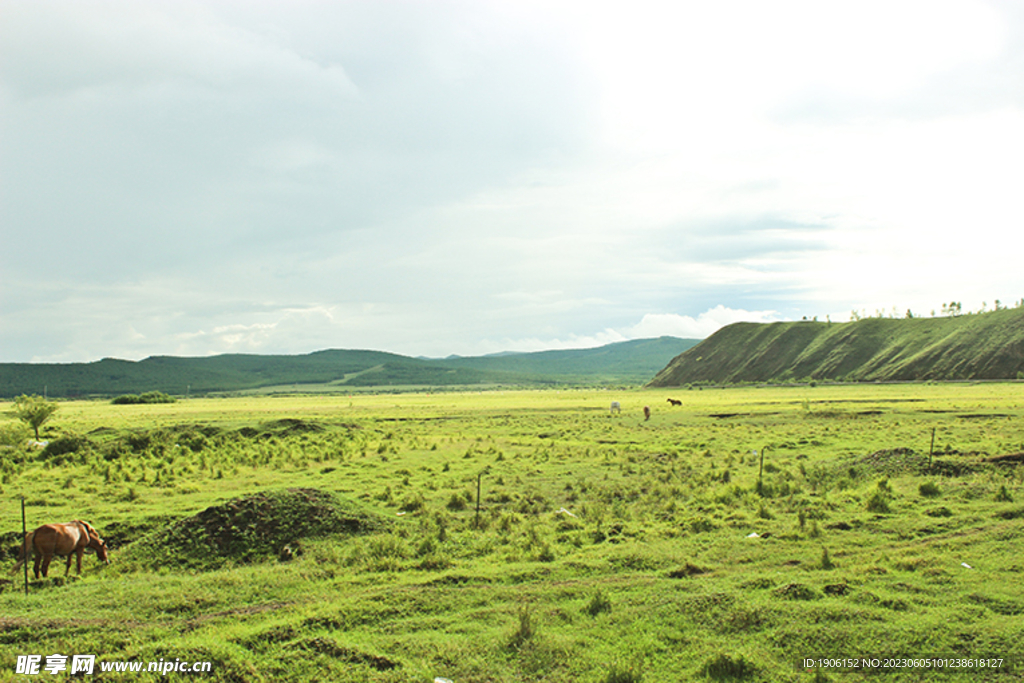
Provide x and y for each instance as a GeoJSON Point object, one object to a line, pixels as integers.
{"type": "Point", "coordinates": [607, 549]}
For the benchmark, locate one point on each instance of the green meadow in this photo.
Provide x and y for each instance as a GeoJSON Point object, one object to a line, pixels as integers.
{"type": "Point", "coordinates": [341, 537]}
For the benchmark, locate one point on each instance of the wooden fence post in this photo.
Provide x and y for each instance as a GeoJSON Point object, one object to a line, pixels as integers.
{"type": "Point", "coordinates": [760, 473]}
{"type": "Point", "coordinates": [476, 521]}
{"type": "Point", "coordinates": [24, 533]}
{"type": "Point", "coordinates": [931, 449]}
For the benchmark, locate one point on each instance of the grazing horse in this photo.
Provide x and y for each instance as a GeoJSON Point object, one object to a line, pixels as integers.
{"type": "Point", "coordinates": [61, 539]}
{"type": "Point", "coordinates": [675, 402]}
{"type": "Point", "coordinates": [647, 413]}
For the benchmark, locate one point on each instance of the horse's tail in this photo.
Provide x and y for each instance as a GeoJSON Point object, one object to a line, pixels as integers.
{"type": "Point", "coordinates": [25, 549]}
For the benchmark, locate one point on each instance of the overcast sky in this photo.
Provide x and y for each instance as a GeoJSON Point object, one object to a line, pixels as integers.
{"type": "Point", "coordinates": [428, 178]}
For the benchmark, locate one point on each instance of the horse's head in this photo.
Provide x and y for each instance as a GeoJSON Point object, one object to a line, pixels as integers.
{"type": "Point", "coordinates": [101, 551]}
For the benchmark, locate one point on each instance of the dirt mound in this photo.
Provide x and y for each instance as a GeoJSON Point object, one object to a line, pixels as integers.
{"type": "Point", "coordinates": [251, 528]}
{"type": "Point", "coordinates": [290, 425]}
{"type": "Point", "coordinates": [1011, 459]}
{"type": "Point", "coordinates": [284, 428]}
{"type": "Point", "coordinates": [896, 461]}
{"type": "Point", "coordinates": [893, 461]}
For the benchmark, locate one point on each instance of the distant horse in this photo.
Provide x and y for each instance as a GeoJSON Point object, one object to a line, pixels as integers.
{"type": "Point", "coordinates": [616, 407]}
{"type": "Point", "coordinates": [64, 540]}
{"type": "Point", "coordinates": [647, 413]}
{"type": "Point", "coordinates": [675, 402]}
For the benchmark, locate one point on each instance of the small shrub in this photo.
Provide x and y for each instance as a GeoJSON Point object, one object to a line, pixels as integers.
{"type": "Point", "coordinates": [598, 603]}
{"type": "Point", "coordinates": [437, 561]}
{"type": "Point", "coordinates": [544, 553]}
{"type": "Point", "coordinates": [879, 503]}
{"type": "Point", "coordinates": [146, 398]}
{"type": "Point", "coordinates": [929, 489]}
{"type": "Point", "coordinates": [686, 570]}
{"type": "Point", "coordinates": [619, 674]}
{"type": "Point", "coordinates": [701, 525]}
{"type": "Point", "coordinates": [826, 562]}
{"type": "Point", "coordinates": [64, 445]}
{"type": "Point", "coordinates": [1003, 496]}
{"type": "Point", "coordinates": [13, 434]}
{"type": "Point", "coordinates": [910, 564]}
{"type": "Point", "coordinates": [895, 604]}
{"type": "Point", "coordinates": [525, 632]}
{"type": "Point", "coordinates": [412, 503]}
{"type": "Point", "coordinates": [796, 591]}
{"type": "Point", "coordinates": [723, 667]}
{"type": "Point", "coordinates": [819, 677]}
{"type": "Point", "coordinates": [426, 547]}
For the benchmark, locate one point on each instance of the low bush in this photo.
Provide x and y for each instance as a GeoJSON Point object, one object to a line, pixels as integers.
{"type": "Point", "coordinates": [826, 561]}
{"type": "Point", "coordinates": [148, 397]}
{"type": "Point", "coordinates": [64, 445]}
{"type": "Point", "coordinates": [526, 630]}
{"type": "Point", "coordinates": [619, 674]}
{"type": "Point", "coordinates": [879, 503]}
{"type": "Point", "coordinates": [13, 434]}
{"type": "Point", "coordinates": [723, 668]}
{"type": "Point", "coordinates": [598, 603]}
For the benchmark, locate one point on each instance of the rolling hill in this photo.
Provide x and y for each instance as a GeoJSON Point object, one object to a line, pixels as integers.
{"type": "Point", "coordinates": [976, 346]}
{"type": "Point", "coordinates": [632, 362]}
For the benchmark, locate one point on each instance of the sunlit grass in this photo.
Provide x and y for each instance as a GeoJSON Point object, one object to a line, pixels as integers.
{"type": "Point", "coordinates": [607, 547]}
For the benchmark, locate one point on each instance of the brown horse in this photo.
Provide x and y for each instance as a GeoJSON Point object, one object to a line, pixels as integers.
{"type": "Point", "coordinates": [61, 539]}
{"type": "Point", "coordinates": [675, 402]}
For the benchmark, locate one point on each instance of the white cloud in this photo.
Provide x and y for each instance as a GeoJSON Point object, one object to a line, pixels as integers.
{"type": "Point", "coordinates": [464, 177]}
{"type": "Point", "coordinates": [704, 325]}
{"type": "Point", "coordinates": [652, 325]}
{"type": "Point", "coordinates": [530, 345]}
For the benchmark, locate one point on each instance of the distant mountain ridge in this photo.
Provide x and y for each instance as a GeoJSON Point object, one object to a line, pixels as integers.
{"type": "Point", "coordinates": [966, 347]}
{"type": "Point", "coordinates": [631, 362]}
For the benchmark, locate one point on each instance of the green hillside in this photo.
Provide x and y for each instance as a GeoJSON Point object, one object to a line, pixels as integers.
{"type": "Point", "coordinates": [977, 346]}
{"type": "Point", "coordinates": [636, 360]}
{"type": "Point", "coordinates": [631, 362]}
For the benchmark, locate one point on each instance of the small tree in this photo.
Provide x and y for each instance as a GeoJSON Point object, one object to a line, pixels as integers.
{"type": "Point", "coordinates": [34, 411]}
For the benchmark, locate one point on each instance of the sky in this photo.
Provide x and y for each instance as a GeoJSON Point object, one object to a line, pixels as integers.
{"type": "Point", "coordinates": [430, 178]}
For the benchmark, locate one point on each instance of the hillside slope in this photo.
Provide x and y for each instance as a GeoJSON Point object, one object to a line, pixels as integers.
{"type": "Point", "coordinates": [978, 346]}
{"type": "Point", "coordinates": [638, 359]}
{"type": "Point", "coordinates": [627, 362]}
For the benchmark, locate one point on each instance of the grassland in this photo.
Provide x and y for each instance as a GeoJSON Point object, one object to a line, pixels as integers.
{"type": "Point", "coordinates": [607, 549]}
